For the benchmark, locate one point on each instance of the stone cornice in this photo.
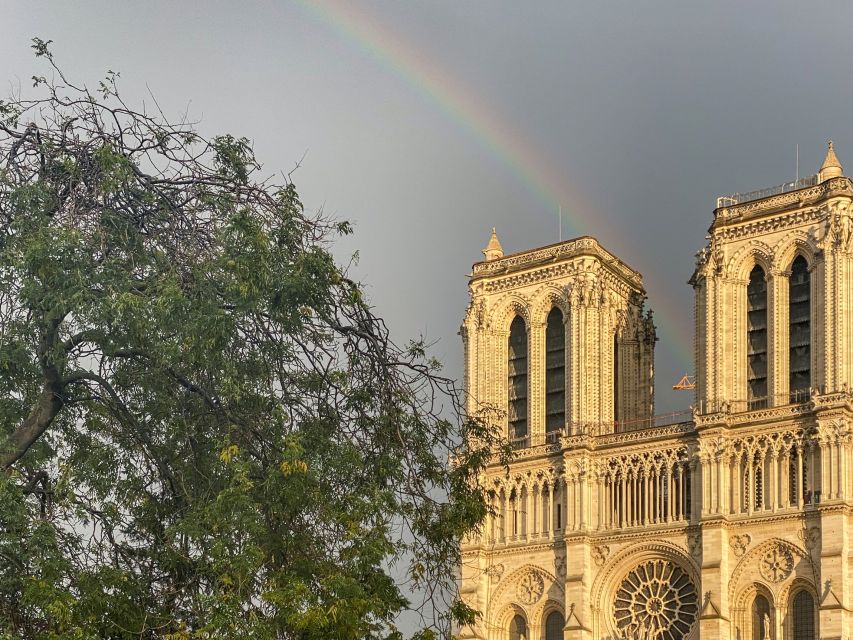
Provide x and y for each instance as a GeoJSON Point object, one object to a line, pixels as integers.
{"type": "Point", "coordinates": [725, 216]}
{"type": "Point", "coordinates": [583, 246]}
{"type": "Point", "coordinates": [765, 225]}
{"type": "Point", "coordinates": [514, 548]}
{"type": "Point", "coordinates": [646, 435]}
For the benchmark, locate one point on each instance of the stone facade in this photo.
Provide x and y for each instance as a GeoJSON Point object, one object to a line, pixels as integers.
{"type": "Point", "coordinates": [730, 521]}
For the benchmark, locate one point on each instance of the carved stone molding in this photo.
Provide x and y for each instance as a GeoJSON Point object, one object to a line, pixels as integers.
{"type": "Point", "coordinates": [739, 544]}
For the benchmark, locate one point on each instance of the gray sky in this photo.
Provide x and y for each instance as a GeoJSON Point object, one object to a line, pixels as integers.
{"type": "Point", "coordinates": [428, 123]}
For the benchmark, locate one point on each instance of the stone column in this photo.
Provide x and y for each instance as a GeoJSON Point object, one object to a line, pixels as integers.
{"type": "Point", "coordinates": [801, 451]}
{"type": "Point", "coordinates": [773, 479]}
{"type": "Point", "coordinates": [738, 484]}
{"type": "Point", "coordinates": [785, 479]}
{"type": "Point", "coordinates": [777, 337]}
{"type": "Point", "coordinates": [551, 521]}
{"type": "Point", "coordinates": [536, 382]}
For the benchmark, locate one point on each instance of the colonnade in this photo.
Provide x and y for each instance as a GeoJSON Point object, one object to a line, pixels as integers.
{"type": "Point", "coordinates": [640, 497]}
{"type": "Point", "coordinates": [527, 512]}
{"type": "Point", "coordinates": [775, 472]}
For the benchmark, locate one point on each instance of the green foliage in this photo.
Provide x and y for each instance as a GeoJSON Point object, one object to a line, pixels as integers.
{"type": "Point", "coordinates": [205, 430]}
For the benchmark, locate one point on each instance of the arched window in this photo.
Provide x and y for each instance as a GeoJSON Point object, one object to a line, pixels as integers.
{"type": "Point", "coordinates": [803, 612]}
{"type": "Point", "coordinates": [759, 488]}
{"type": "Point", "coordinates": [799, 332]}
{"type": "Point", "coordinates": [554, 626]}
{"type": "Point", "coordinates": [518, 382]}
{"type": "Point", "coordinates": [518, 629]}
{"type": "Point", "coordinates": [760, 609]}
{"type": "Point", "coordinates": [555, 372]}
{"type": "Point", "coordinates": [756, 327]}
{"type": "Point", "coordinates": [799, 489]}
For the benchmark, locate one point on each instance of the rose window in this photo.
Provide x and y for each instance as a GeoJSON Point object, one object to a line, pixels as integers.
{"type": "Point", "coordinates": [776, 563]}
{"type": "Point", "coordinates": [656, 600]}
{"type": "Point", "coordinates": [529, 589]}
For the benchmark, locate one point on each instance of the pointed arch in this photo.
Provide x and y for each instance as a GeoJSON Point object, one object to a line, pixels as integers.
{"type": "Point", "coordinates": [747, 257]}
{"type": "Point", "coordinates": [507, 309]}
{"type": "Point", "coordinates": [552, 626]}
{"type": "Point", "coordinates": [802, 619]}
{"type": "Point", "coordinates": [787, 250]}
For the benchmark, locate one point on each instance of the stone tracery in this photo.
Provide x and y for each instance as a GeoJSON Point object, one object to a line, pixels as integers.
{"type": "Point", "coordinates": [656, 600]}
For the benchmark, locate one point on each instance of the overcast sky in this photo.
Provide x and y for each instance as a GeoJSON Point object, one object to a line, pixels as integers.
{"type": "Point", "coordinates": [428, 123]}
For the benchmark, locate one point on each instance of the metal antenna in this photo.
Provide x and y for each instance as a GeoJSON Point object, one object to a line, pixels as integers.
{"type": "Point", "coordinates": [798, 161]}
{"type": "Point", "coordinates": [560, 223]}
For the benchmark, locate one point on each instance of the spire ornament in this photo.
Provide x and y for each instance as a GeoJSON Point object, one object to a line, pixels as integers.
{"type": "Point", "coordinates": [493, 250]}
{"type": "Point", "coordinates": [831, 167]}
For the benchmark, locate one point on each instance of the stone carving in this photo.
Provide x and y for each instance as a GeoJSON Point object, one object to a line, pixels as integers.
{"type": "Point", "coordinates": [739, 544]}
{"type": "Point", "coordinates": [656, 600]}
{"type": "Point", "coordinates": [600, 553]}
{"type": "Point", "coordinates": [495, 572]}
{"type": "Point", "coordinates": [810, 537]}
{"type": "Point", "coordinates": [560, 566]}
{"type": "Point", "coordinates": [776, 564]}
{"type": "Point", "coordinates": [694, 544]}
{"type": "Point", "coordinates": [530, 587]}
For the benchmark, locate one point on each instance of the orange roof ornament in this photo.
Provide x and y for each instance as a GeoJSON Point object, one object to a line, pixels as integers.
{"type": "Point", "coordinates": [686, 383]}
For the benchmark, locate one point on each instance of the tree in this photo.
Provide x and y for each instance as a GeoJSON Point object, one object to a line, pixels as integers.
{"type": "Point", "coordinates": [206, 430]}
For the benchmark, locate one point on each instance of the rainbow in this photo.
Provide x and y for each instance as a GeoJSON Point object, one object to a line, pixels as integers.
{"type": "Point", "coordinates": [505, 143]}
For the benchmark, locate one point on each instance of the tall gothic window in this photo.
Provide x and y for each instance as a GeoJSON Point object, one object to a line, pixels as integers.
{"type": "Point", "coordinates": [518, 629]}
{"type": "Point", "coordinates": [756, 306]}
{"type": "Point", "coordinates": [803, 611]}
{"type": "Point", "coordinates": [555, 372]}
{"type": "Point", "coordinates": [760, 608]}
{"type": "Point", "coordinates": [796, 490]}
{"type": "Point", "coordinates": [759, 487]}
{"type": "Point", "coordinates": [799, 329]}
{"type": "Point", "coordinates": [518, 381]}
{"type": "Point", "coordinates": [616, 379]}
{"type": "Point", "coordinates": [554, 626]}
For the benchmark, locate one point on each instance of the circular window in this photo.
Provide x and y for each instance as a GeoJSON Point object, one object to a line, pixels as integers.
{"type": "Point", "coordinates": [656, 600]}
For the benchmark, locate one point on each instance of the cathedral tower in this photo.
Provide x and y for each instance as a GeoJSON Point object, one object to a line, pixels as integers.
{"type": "Point", "coordinates": [558, 336]}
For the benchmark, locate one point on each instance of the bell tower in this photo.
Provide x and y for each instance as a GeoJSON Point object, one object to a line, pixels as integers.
{"type": "Point", "coordinates": [558, 338]}
{"type": "Point", "coordinates": [774, 294]}
{"type": "Point", "coordinates": [558, 348]}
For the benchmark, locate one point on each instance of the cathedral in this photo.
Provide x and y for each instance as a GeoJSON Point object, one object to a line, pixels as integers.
{"type": "Point", "coordinates": [732, 520]}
